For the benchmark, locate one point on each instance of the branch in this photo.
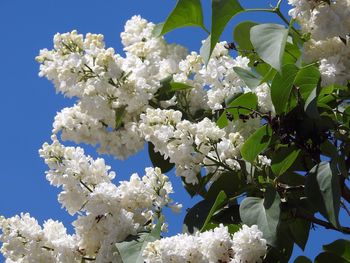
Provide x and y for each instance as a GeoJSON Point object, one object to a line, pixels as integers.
{"type": "Point", "coordinates": [308, 217]}
{"type": "Point", "coordinates": [345, 192]}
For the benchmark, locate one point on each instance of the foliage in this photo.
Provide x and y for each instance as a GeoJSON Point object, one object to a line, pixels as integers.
{"type": "Point", "coordinates": [306, 130]}
{"type": "Point", "coordinates": [286, 170]}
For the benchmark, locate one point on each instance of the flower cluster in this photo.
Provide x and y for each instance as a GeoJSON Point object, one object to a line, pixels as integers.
{"type": "Point", "coordinates": [192, 146]}
{"type": "Point", "coordinates": [216, 245]}
{"type": "Point", "coordinates": [107, 213]}
{"type": "Point", "coordinates": [328, 24]}
{"type": "Point", "coordinates": [217, 81]}
{"type": "Point", "coordinates": [112, 90]}
{"type": "Point", "coordinates": [122, 102]}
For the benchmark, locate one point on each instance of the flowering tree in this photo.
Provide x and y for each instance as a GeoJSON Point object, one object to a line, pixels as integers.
{"type": "Point", "coordinates": [258, 127]}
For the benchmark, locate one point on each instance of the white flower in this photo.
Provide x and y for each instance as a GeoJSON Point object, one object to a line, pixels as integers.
{"type": "Point", "coordinates": [76, 173]}
{"type": "Point", "coordinates": [216, 245]}
{"type": "Point", "coordinates": [328, 26]}
{"type": "Point", "coordinates": [248, 245]}
{"type": "Point", "coordinates": [263, 160]}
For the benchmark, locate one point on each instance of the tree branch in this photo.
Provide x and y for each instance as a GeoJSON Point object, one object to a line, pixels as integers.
{"type": "Point", "coordinates": [345, 192]}
{"type": "Point", "coordinates": [308, 217]}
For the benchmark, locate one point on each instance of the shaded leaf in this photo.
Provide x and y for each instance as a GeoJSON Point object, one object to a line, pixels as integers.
{"type": "Point", "coordinates": [165, 92]}
{"type": "Point", "coordinates": [157, 30]}
{"type": "Point", "coordinates": [243, 104]}
{"type": "Point", "coordinates": [269, 41]}
{"type": "Point", "coordinates": [306, 80]}
{"type": "Point", "coordinates": [250, 78]}
{"type": "Point", "coordinates": [283, 158]}
{"type": "Point", "coordinates": [241, 35]}
{"type": "Point", "coordinates": [340, 247]}
{"type": "Point", "coordinates": [281, 87]}
{"type": "Point", "coordinates": [219, 201]}
{"type": "Point", "coordinates": [327, 257]}
{"type": "Point", "coordinates": [131, 249]}
{"type": "Point", "coordinates": [228, 215]}
{"type": "Point", "coordinates": [231, 183]}
{"type": "Point", "coordinates": [158, 159]}
{"type": "Point", "coordinates": [302, 259]}
{"type": "Point", "coordinates": [195, 189]}
{"type": "Point", "coordinates": [311, 105]}
{"type": "Point", "coordinates": [256, 143]}
{"type": "Point", "coordinates": [292, 54]}
{"type": "Point", "coordinates": [299, 230]}
{"type": "Point", "coordinates": [329, 149]}
{"type": "Point", "coordinates": [204, 51]}
{"type": "Point", "coordinates": [196, 216]}
{"type": "Point", "coordinates": [323, 190]}
{"type": "Point", "coordinates": [263, 212]}
{"type": "Point", "coordinates": [119, 114]}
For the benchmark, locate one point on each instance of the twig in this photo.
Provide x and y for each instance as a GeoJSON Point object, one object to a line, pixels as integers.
{"type": "Point", "coordinates": [327, 225]}
{"type": "Point", "coordinates": [345, 207]}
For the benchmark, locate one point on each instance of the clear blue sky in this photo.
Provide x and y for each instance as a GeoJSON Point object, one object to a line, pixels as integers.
{"type": "Point", "coordinates": [28, 103]}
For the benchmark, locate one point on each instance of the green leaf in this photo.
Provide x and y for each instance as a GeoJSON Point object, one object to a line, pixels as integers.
{"type": "Point", "coordinates": [263, 212]}
{"type": "Point", "coordinates": [340, 247]}
{"type": "Point", "coordinates": [222, 12]}
{"type": "Point", "coordinates": [250, 78]}
{"type": "Point", "coordinates": [186, 13]}
{"type": "Point", "coordinates": [285, 242]}
{"type": "Point", "coordinates": [323, 190]}
{"type": "Point", "coordinates": [157, 30]}
{"type": "Point", "coordinates": [195, 189]}
{"type": "Point", "coordinates": [204, 51]}
{"type": "Point", "coordinates": [131, 249]}
{"type": "Point", "coordinates": [283, 158]}
{"type": "Point", "coordinates": [269, 41]}
{"type": "Point", "coordinates": [256, 143]}
{"type": "Point", "coordinates": [245, 47]}
{"type": "Point", "coordinates": [292, 54]}
{"type": "Point", "coordinates": [269, 75]}
{"type": "Point", "coordinates": [311, 104]}
{"type": "Point", "coordinates": [302, 259]}
{"type": "Point", "coordinates": [196, 216]}
{"type": "Point", "coordinates": [222, 121]}
{"type": "Point", "coordinates": [241, 35]}
{"type": "Point", "coordinates": [299, 229]}
{"type": "Point", "coordinates": [306, 80]}
{"type": "Point", "coordinates": [176, 86]}
{"type": "Point", "coordinates": [119, 114]}
{"type": "Point", "coordinates": [329, 149]}
{"type": "Point", "coordinates": [227, 215]}
{"type": "Point", "coordinates": [231, 183]}
{"type": "Point", "coordinates": [233, 228]}
{"type": "Point", "coordinates": [158, 160]}
{"type": "Point", "coordinates": [327, 257]}
{"type": "Point", "coordinates": [220, 200]}
{"type": "Point", "coordinates": [165, 92]}
{"type": "Point", "coordinates": [281, 87]}
{"type": "Point", "coordinates": [243, 104]}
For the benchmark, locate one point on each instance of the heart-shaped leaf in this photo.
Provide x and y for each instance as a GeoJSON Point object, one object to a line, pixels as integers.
{"type": "Point", "coordinates": [269, 41]}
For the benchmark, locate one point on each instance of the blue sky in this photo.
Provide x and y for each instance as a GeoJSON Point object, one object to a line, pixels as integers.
{"type": "Point", "coordinates": [29, 103]}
